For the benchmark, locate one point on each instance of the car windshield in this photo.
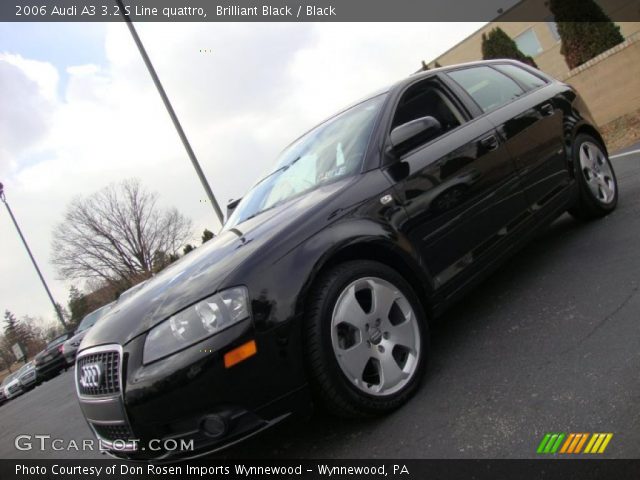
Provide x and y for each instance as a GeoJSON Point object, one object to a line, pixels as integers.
{"type": "Point", "coordinates": [330, 151]}
{"type": "Point", "coordinates": [92, 318]}
{"type": "Point", "coordinates": [9, 379]}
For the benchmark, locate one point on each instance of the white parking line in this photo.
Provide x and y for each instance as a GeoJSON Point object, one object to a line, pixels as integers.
{"type": "Point", "coordinates": [625, 154]}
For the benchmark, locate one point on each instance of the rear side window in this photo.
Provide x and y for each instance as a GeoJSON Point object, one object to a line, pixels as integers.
{"type": "Point", "coordinates": [529, 80]}
{"type": "Point", "coordinates": [488, 87]}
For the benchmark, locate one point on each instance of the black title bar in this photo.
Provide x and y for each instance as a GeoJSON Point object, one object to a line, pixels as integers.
{"type": "Point", "coordinates": [297, 10]}
{"type": "Point", "coordinates": [584, 469]}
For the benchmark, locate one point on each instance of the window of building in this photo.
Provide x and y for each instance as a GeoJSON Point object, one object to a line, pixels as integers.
{"type": "Point", "coordinates": [529, 80]}
{"type": "Point", "coordinates": [528, 43]}
{"type": "Point", "coordinates": [553, 27]}
{"type": "Point", "coordinates": [488, 87]}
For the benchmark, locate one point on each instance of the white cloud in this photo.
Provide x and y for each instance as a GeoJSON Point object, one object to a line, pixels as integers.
{"type": "Point", "coordinates": [261, 86]}
{"type": "Point", "coordinates": [27, 100]}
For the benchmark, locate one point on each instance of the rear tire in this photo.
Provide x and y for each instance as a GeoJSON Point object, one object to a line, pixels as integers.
{"type": "Point", "coordinates": [597, 183]}
{"type": "Point", "coordinates": [366, 340]}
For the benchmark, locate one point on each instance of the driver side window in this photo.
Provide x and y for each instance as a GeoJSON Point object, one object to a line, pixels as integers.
{"type": "Point", "coordinates": [427, 99]}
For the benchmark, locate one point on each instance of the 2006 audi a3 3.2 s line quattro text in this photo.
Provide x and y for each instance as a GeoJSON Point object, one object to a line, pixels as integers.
{"type": "Point", "coordinates": [322, 281]}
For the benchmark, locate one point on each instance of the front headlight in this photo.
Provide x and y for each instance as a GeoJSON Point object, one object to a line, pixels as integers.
{"type": "Point", "coordinates": [199, 321]}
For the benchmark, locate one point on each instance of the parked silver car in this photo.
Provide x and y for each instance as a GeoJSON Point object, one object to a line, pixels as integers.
{"type": "Point", "coordinates": [11, 386]}
{"type": "Point", "coordinates": [28, 376]}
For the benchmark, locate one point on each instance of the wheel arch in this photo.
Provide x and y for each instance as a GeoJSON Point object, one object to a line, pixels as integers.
{"type": "Point", "coordinates": [581, 128]}
{"type": "Point", "coordinates": [591, 130]}
{"type": "Point", "coordinates": [381, 251]}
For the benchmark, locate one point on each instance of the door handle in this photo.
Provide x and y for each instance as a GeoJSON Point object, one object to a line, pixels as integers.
{"type": "Point", "coordinates": [489, 142]}
{"type": "Point", "coordinates": [546, 109]}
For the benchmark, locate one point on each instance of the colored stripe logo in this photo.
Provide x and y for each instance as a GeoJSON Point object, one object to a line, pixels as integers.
{"type": "Point", "coordinates": [574, 443]}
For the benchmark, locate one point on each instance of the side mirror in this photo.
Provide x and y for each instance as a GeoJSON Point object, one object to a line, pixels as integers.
{"type": "Point", "coordinates": [424, 127]}
{"type": "Point", "coordinates": [231, 206]}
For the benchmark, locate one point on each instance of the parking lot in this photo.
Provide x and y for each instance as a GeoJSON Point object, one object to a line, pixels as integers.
{"type": "Point", "coordinates": [549, 343]}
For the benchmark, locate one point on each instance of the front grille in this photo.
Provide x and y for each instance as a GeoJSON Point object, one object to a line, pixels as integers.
{"type": "Point", "coordinates": [113, 432]}
{"type": "Point", "coordinates": [14, 388]}
{"type": "Point", "coordinates": [109, 381]}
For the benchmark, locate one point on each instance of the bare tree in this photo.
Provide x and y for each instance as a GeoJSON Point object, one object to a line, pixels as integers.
{"type": "Point", "coordinates": [7, 359]}
{"type": "Point", "coordinates": [116, 233]}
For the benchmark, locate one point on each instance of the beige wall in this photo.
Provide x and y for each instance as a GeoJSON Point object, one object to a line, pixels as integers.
{"type": "Point", "coordinates": [469, 50]}
{"type": "Point", "coordinates": [550, 60]}
{"type": "Point", "coordinates": [609, 82]}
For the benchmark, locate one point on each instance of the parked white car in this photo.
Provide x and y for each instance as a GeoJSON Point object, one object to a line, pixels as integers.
{"type": "Point", "coordinates": [28, 376]}
{"type": "Point", "coordinates": [11, 386]}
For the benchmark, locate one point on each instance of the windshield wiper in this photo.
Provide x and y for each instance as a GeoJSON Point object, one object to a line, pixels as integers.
{"type": "Point", "coordinates": [281, 169]}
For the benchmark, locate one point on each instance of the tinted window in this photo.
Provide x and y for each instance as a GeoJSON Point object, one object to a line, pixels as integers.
{"type": "Point", "coordinates": [529, 80]}
{"type": "Point", "coordinates": [488, 87]}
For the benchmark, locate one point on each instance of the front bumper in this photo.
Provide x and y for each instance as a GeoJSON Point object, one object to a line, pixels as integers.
{"type": "Point", "coordinates": [14, 391]}
{"type": "Point", "coordinates": [30, 380]}
{"type": "Point", "coordinates": [191, 396]}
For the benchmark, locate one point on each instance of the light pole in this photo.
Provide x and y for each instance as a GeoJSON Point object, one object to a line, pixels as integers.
{"type": "Point", "coordinates": [3, 198]}
{"type": "Point", "coordinates": [172, 113]}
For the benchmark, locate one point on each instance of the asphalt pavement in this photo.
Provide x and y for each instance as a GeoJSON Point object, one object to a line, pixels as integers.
{"type": "Point", "coordinates": [549, 343]}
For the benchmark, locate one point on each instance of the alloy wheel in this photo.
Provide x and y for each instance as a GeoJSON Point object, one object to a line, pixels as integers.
{"type": "Point", "coordinates": [375, 336]}
{"type": "Point", "coordinates": [597, 172]}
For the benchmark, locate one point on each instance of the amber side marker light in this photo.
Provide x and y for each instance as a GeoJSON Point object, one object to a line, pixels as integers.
{"type": "Point", "coordinates": [240, 353]}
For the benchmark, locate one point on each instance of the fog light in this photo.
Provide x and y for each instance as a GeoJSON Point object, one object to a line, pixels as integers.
{"type": "Point", "coordinates": [214, 425]}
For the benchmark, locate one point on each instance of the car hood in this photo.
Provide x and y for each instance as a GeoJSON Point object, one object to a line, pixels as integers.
{"type": "Point", "coordinates": [201, 272]}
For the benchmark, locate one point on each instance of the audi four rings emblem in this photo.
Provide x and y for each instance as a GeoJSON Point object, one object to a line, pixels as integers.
{"type": "Point", "coordinates": [91, 375]}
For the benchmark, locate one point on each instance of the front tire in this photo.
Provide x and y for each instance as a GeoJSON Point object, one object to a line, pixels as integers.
{"type": "Point", "coordinates": [597, 183]}
{"type": "Point", "coordinates": [366, 339]}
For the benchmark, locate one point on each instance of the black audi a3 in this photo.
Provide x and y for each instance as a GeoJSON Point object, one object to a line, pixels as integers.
{"type": "Point", "coordinates": [323, 280]}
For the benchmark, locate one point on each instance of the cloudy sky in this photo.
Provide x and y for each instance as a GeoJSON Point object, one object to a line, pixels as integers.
{"type": "Point", "coordinates": [78, 111]}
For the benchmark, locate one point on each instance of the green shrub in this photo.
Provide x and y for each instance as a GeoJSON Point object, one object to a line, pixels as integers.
{"type": "Point", "coordinates": [497, 44]}
{"type": "Point", "coordinates": [585, 30]}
